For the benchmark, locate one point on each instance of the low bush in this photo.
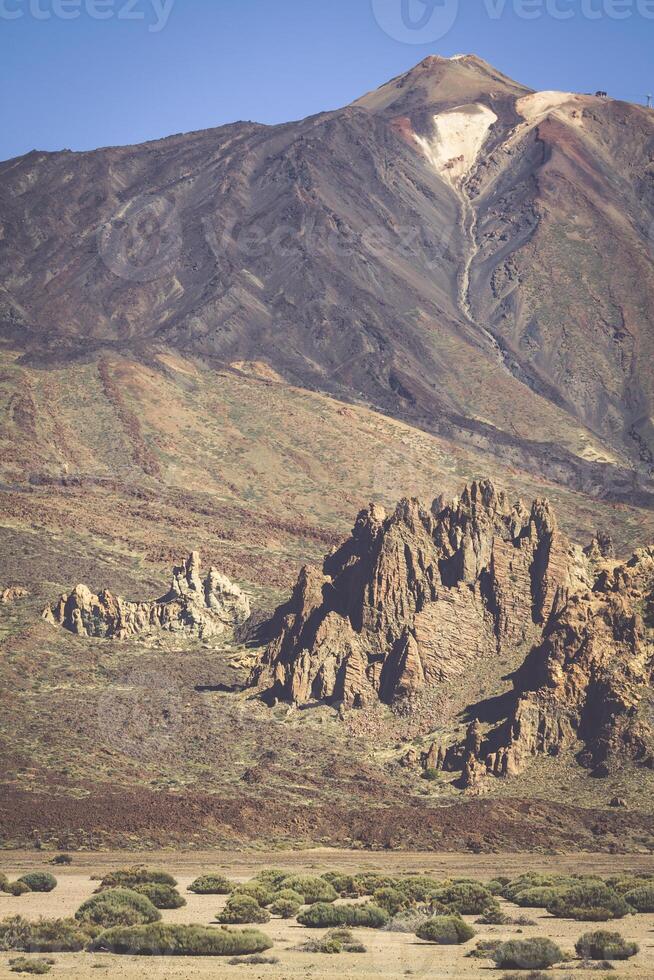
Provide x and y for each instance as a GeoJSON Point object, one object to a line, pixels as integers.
{"type": "Point", "coordinates": [117, 907]}
{"type": "Point", "coordinates": [285, 908]}
{"type": "Point", "coordinates": [418, 888]}
{"type": "Point", "coordinates": [39, 881]}
{"type": "Point", "coordinates": [323, 915]}
{"type": "Point", "coordinates": [212, 885]}
{"type": "Point", "coordinates": [588, 902]}
{"type": "Point", "coordinates": [446, 930]}
{"type": "Point", "coordinates": [311, 888]}
{"type": "Point", "coordinates": [43, 936]}
{"type": "Point", "coordinates": [334, 941]}
{"type": "Point", "coordinates": [641, 899]}
{"type": "Point", "coordinates": [466, 898]}
{"type": "Point", "coordinates": [166, 939]}
{"type": "Point", "coordinates": [272, 878]}
{"type": "Point", "coordinates": [538, 953]}
{"type": "Point", "coordinates": [161, 896]}
{"type": "Point", "coordinates": [289, 895]}
{"type": "Point", "coordinates": [497, 885]}
{"type": "Point", "coordinates": [391, 899]}
{"type": "Point", "coordinates": [431, 775]}
{"type": "Point", "coordinates": [408, 920]}
{"type": "Point", "coordinates": [494, 917]}
{"type": "Point", "coordinates": [136, 875]}
{"type": "Point", "coordinates": [35, 967]}
{"type": "Point", "coordinates": [604, 945]}
{"type": "Point", "coordinates": [242, 910]}
{"type": "Point", "coordinates": [64, 859]}
{"type": "Point", "coordinates": [369, 881]}
{"type": "Point", "coordinates": [344, 885]}
{"type": "Point", "coordinates": [16, 888]}
{"type": "Point", "coordinates": [255, 960]}
{"type": "Point", "coordinates": [538, 897]}
{"type": "Point", "coordinates": [260, 893]}
{"type": "Point", "coordinates": [484, 949]}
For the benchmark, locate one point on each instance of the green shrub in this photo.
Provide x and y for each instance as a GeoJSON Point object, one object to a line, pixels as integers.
{"type": "Point", "coordinates": [37, 967]}
{"type": "Point", "coordinates": [390, 899]}
{"type": "Point", "coordinates": [272, 878]}
{"type": "Point", "coordinates": [289, 895]}
{"type": "Point", "coordinates": [241, 910]}
{"type": "Point", "coordinates": [497, 885]}
{"type": "Point", "coordinates": [255, 960]}
{"type": "Point", "coordinates": [431, 775]}
{"type": "Point", "coordinates": [531, 879]}
{"type": "Point", "coordinates": [538, 897]}
{"type": "Point", "coordinates": [166, 939]}
{"type": "Point", "coordinates": [4, 881]}
{"type": "Point", "coordinates": [494, 917]}
{"type": "Point", "coordinates": [136, 875]}
{"type": "Point", "coordinates": [604, 945]}
{"type": "Point", "coordinates": [39, 881]}
{"type": "Point", "coordinates": [641, 899]}
{"type": "Point", "coordinates": [334, 941]}
{"type": "Point", "coordinates": [43, 936]}
{"type": "Point", "coordinates": [255, 890]}
{"type": "Point", "coordinates": [344, 885]}
{"type": "Point", "coordinates": [588, 902]}
{"type": "Point", "coordinates": [17, 888]}
{"type": "Point", "coordinates": [323, 915]}
{"type": "Point", "coordinates": [447, 930]}
{"type": "Point", "coordinates": [14, 932]}
{"type": "Point", "coordinates": [117, 907]}
{"type": "Point", "coordinates": [285, 908]}
{"type": "Point", "coordinates": [466, 898]}
{"type": "Point", "coordinates": [161, 896]}
{"type": "Point", "coordinates": [311, 888]}
{"type": "Point", "coordinates": [369, 881]}
{"type": "Point", "coordinates": [64, 859]}
{"type": "Point", "coordinates": [418, 888]}
{"type": "Point", "coordinates": [408, 920]}
{"type": "Point", "coordinates": [528, 954]}
{"type": "Point", "coordinates": [212, 885]}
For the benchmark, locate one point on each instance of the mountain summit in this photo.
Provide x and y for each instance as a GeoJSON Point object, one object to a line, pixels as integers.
{"type": "Point", "coordinates": [452, 250]}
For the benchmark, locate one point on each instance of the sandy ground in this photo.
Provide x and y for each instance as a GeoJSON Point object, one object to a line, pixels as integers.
{"type": "Point", "coordinates": [389, 954]}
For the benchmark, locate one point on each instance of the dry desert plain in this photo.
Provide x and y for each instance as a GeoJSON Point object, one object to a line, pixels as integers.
{"type": "Point", "coordinates": [389, 954]}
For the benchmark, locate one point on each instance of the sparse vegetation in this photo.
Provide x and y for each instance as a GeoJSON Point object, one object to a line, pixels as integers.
{"type": "Point", "coordinates": [323, 915]}
{"type": "Point", "coordinates": [604, 945]}
{"type": "Point", "coordinates": [446, 930]}
{"type": "Point", "coordinates": [311, 888]}
{"type": "Point", "coordinates": [334, 941]}
{"type": "Point", "coordinates": [165, 939]}
{"type": "Point", "coordinates": [37, 967]}
{"type": "Point", "coordinates": [588, 902]}
{"type": "Point", "coordinates": [537, 953]}
{"type": "Point", "coordinates": [39, 881]}
{"type": "Point", "coordinates": [242, 910]}
{"type": "Point", "coordinates": [212, 885]}
{"type": "Point", "coordinates": [641, 898]}
{"type": "Point", "coordinates": [16, 888]}
{"type": "Point", "coordinates": [136, 875]}
{"type": "Point", "coordinates": [161, 896]}
{"type": "Point", "coordinates": [117, 907]}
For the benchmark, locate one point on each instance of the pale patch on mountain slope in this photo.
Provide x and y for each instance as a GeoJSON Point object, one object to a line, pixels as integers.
{"type": "Point", "coordinates": [459, 135]}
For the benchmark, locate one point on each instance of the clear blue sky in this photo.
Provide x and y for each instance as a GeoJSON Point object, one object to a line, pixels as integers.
{"type": "Point", "coordinates": [85, 82]}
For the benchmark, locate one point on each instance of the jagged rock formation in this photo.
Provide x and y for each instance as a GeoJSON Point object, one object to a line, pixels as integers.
{"type": "Point", "coordinates": [203, 607]}
{"type": "Point", "coordinates": [12, 593]}
{"type": "Point", "coordinates": [414, 600]}
{"type": "Point", "coordinates": [418, 597]}
{"type": "Point", "coordinates": [588, 684]}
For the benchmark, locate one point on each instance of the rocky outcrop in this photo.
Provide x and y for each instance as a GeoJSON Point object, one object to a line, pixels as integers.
{"type": "Point", "coordinates": [415, 598]}
{"type": "Point", "coordinates": [587, 685]}
{"type": "Point", "coordinates": [12, 594]}
{"type": "Point", "coordinates": [194, 605]}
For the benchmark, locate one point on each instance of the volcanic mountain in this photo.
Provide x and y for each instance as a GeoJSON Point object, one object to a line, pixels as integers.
{"type": "Point", "coordinates": [452, 249]}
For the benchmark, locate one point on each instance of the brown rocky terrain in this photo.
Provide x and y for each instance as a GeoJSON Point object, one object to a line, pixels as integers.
{"type": "Point", "coordinates": [413, 600]}
{"type": "Point", "coordinates": [229, 341]}
{"type": "Point", "coordinates": [198, 606]}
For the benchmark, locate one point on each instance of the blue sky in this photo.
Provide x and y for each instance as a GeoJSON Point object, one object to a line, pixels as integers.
{"type": "Point", "coordinates": [149, 68]}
